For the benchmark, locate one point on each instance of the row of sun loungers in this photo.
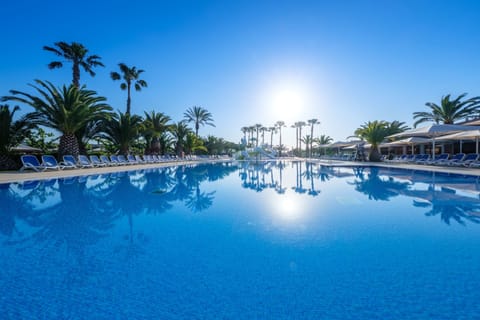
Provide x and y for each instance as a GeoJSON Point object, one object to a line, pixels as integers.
{"type": "Point", "coordinates": [460, 159]}
{"type": "Point", "coordinates": [49, 162]}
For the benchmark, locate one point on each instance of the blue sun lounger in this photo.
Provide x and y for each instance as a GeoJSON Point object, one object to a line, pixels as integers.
{"type": "Point", "coordinates": [50, 162]}
{"type": "Point", "coordinates": [31, 162]}
{"type": "Point", "coordinates": [83, 162]}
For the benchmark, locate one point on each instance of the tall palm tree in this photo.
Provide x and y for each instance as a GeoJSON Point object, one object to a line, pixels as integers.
{"type": "Point", "coordinates": [374, 132]}
{"type": "Point", "coordinates": [312, 122]}
{"type": "Point", "coordinates": [11, 133]}
{"type": "Point", "coordinates": [251, 130]}
{"type": "Point", "coordinates": [262, 130]}
{"type": "Point", "coordinates": [122, 130]}
{"type": "Point", "coordinates": [300, 125]}
{"type": "Point", "coordinates": [75, 53]}
{"type": "Point", "coordinates": [244, 131]}
{"type": "Point", "coordinates": [295, 126]}
{"type": "Point", "coordinates": [154, 125]}
{"type": "Point", "coordinates": [130, 76]}
{"type": "Point", "coordinates": [65, 109]}
{"type": "Point", "coordinates": [272, 130]}
{"type": "Point", "coordinates": [257, 130]}
{"type": "Point", "coordinates": [279, 125]}
{"type": "Point", "coordinates": [449, 111]}
{"type": "Point", "coordinates": [199, 116]}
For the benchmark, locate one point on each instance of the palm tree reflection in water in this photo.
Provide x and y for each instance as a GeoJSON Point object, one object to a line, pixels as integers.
{"type": "Point", "coordinates": [76, 213]}
{"type": "Point", "coordinates": [378, 184]}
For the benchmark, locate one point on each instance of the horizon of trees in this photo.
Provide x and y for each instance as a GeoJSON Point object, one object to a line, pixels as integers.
{"type": "Point", "coordinates": [72, 118]}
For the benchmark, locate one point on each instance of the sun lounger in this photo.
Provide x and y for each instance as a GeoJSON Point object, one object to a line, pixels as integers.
{"type": "Point", "coordinates": [83, 162]}
{"type": "Point", "coordinates": [147, 158]}
{"type": "Point", "coordinates": [455, 159]}
{"type": "Point", "coordinates": [465, 162]}
{"type": "Point", "coordinates": [96, 161]}
{"type": "Point", "coordinates": [115, 161]}
{"type": "Point", "coordinates": [31, 162]}
{"type": "Point", "coordinates": [104, 159]}
{"type": "Point", "coordinates": [474, 164]}
{"type": "Point", "coordinates": [70, 160]}
{"type": "Point", "coordinates": [438, 159]}
{"type": "Point", "coordinates": [422, 159]}
{"type": "Point", "coordinates": [50, 162]}
{"type": "Point", "coordinates": [122, 159]}
{"type": "Point", "coordinates": [138, 159]}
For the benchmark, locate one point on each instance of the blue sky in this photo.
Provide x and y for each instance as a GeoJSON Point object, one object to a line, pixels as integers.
{"type": "Point", "coordinates": [247, 62]}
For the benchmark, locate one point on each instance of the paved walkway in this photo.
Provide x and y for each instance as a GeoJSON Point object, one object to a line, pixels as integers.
{"type": "Point", "coordinates": [29, 175]}
{"type": "Point", "coordinates": [410, 166]}
{"type": "Point", "coordinates": [15, 176]}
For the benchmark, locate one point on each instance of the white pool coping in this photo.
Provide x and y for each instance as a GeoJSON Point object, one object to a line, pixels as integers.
{"type": "Point", "coordinates": [29, 175]}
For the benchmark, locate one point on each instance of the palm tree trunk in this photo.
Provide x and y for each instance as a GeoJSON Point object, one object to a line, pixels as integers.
{"type": "Point", "coordinates": [300, 141]}
{"type": "Point", "coordinates": [68, 145]}
{"type": "Point", "coordinates": [76, 74]}
{"type": "Point", "coordinates": [280, 146]}
{"type": "Point", "coordinates": [129, 101]}
{"type": "Point", "coordinates": [311, 140]}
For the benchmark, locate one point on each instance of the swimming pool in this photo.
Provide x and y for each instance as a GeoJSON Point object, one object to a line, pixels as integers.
{"type": "Point", "coordinates": [269, 240]}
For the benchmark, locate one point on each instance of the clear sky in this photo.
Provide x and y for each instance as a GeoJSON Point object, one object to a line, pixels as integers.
{"type": "Point", "coordinates": [342, 62]}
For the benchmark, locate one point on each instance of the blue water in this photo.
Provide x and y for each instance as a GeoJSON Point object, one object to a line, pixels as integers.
{"type": "Point", "coordinates": [276, 240]}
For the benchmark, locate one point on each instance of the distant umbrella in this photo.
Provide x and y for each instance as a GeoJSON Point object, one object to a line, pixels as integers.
{"type": "Point", "coordinates": [25, 148]}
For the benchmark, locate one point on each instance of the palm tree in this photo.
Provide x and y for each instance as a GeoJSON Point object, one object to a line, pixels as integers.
{"type": "Point", "coordinates": [122, 130]}
{"type": "Point", "coordinates": [77, 54]}
{"type": "Point", "coordinates": [374, 132]}
{"type": "Point", "coordinates": [279, 125]}
{"type": "Point", "coordinates": [90, 131]}
{"type": "Point", "coordinates": [65, 109]}
{"type": "Point", "coordinates": [244, 131]}
{"type": "Point", "coordinates": [323, 139]}
{"type": "Point", "coordinates": [180, 131]}
{"type": "Point", "coordinates": [396, 127]}
{"type": "Point", "coordinates": [272, 130]}
{"type": "Point", "coordinates": [193, 143]}
{"type": "Point", "coordinates": [308, 142]}
{"type": "Point", "coordinates": [295, 126]}
{"type": "Point", "coordinates": [449, 111]}
{"type": "Point", "coordinates": [262, 130]}
{"type": "Point", "coordinates": [11, 133]}
{"type": "Point", "coordinates": [154, 125]}
{"type": "Point", "coordinates": [166, 142]}
{"type": "Point", "coordinates": [300, 125]}
{"type": "Point", "coordinates": [199, 116]}
{"type": "Point", "coordinates": [251, 130]}
{"type": "Point", "coordinates": [312, 122]}
{"type": "Point", "coordinates": [131, 76]}
{"type": "Point", "coordinates": [257, 130]}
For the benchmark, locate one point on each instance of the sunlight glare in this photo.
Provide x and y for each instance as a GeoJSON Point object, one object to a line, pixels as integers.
{"type": "Point", "coordinates": [288, 101]}
{"type": "Point", "coordinates": [287, 209]}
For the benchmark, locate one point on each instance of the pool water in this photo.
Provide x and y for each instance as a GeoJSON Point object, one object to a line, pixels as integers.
{"type": "Point", "coordinates": [268, 240]}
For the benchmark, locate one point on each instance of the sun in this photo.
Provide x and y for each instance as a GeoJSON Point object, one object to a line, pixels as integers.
{"type": "Point", "coordinates": [287, 102]}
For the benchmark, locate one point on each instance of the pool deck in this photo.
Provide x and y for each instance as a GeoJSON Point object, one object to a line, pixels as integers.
{"type": "Point", "coordinates": [409, 166]}
{"type": "Point", "coordinates": [29, 175]}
